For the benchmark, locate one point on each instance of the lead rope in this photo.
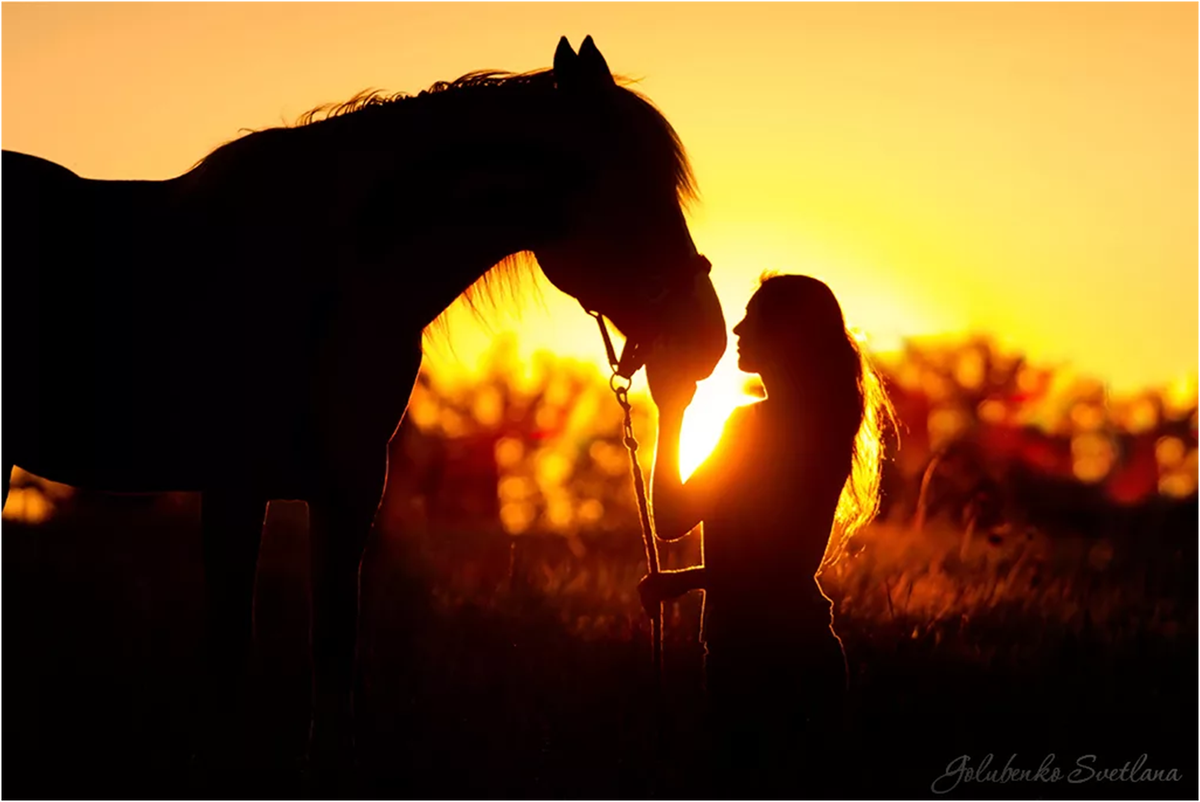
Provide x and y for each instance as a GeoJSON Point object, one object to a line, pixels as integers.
{"type": "Point", "coordinates": [639, 486]}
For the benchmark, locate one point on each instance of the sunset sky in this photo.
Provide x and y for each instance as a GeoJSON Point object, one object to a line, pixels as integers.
{"type": "Point", "coordinates": [1028, 170]}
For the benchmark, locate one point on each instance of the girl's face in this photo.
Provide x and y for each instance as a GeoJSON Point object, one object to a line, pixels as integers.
{"type": "Point", "coordinates": [752, 340]}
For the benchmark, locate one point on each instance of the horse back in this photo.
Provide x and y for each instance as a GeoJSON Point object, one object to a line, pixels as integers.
{"type": "Point", "coordinates": [99, 346]}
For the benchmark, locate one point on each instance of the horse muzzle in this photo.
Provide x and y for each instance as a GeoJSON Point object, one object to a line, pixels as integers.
{"type": "Point", "coordinates": [687, 315]}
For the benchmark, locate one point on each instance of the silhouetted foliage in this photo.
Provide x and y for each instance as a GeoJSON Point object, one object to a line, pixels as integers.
{"type": "Point", "coordinates": [536, 450]}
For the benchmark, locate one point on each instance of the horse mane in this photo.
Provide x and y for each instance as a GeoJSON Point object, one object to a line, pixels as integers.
{"type": "Point", "coordinates": [505, 276]}
{"type": "Point", "coordinates": [375, 98]}
{"type": "Point", "coordinates": [682, 176]}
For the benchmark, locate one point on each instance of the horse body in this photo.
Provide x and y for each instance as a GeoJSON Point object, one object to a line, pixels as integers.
{"type": "Point", "coordinates": [95, 341]}
{"type": "Point", "coordinates": [159, 368]}
{"type": "Point", "coordinates": [252, 329]}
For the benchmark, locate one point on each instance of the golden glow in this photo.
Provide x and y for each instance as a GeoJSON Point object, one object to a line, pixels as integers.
{"type": "Point", "coordinates": [1092, 456]}
{"type": "Point", "coordinates": [33, 500]}
{"type": "Point", "coordinates": [1169, 451]}
{"type": "Point", "coordinates": [716, 397]}
{"type": "Point", "coordinates": [1140, 415]}
{"type": "Point", "coordinates": [1181, 394]}
{"type": "Point", "coordinates": [1025, 168]}
{"type": "Point", "coordinates": [28, 505]}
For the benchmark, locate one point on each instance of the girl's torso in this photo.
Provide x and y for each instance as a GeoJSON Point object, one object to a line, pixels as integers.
{"type": "Point", "coordinates": [765, 538]}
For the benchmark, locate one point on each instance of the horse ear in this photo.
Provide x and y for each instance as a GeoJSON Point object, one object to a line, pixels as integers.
{"type": "Point", "coordinates": [593, 64]}
{"type": "Point", "coordinates": [566, 65]}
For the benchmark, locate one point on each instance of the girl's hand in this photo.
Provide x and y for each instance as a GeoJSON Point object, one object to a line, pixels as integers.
{"type": "Point", "coordinates": [670, 387]}
{"type": "Point", "coordinates": [652, 590]}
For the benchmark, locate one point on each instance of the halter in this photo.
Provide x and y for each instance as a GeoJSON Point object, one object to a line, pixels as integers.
{"type": "Point", "coordinates": [631, 359]}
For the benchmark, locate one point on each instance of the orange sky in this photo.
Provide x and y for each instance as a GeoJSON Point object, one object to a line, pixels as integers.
{"type": "Point", "coordinates": [1025, 169]}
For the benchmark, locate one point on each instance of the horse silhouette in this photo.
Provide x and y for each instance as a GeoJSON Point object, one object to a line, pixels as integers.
{"type": "Point", "coordinates": [252, 329]}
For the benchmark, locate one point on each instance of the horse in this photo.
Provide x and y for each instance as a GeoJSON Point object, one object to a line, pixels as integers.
{"type": "Point", "coordinates": [252, 329]}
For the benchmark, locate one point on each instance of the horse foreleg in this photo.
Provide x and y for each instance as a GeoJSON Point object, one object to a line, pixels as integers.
{"type": "Point", "coordinates": [365, 371]}
{"type": "Point", "coordinates": [232, 523]}
{"type": "Point", "coordinates": [340, 517]}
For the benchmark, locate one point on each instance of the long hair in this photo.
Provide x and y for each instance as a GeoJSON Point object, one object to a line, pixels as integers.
{"type": "Point", "coordinates": [852, 391]}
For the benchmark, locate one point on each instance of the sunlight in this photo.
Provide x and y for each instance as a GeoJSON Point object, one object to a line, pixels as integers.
{"type": "Point", "coordinates": [723, 392]}
{"type": "Point", "coordinates": [716, 397]}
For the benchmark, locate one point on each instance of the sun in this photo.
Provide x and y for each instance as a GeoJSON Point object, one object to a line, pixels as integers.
{"type": "Point", "coordinates": [716, 397]}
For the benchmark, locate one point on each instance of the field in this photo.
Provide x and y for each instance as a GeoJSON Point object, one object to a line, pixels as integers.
{"type": "Point", "coordinates": [503, 653]}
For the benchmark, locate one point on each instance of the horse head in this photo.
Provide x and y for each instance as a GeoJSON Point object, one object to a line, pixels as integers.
{"type": "Point", "coordinates": [619, 242]}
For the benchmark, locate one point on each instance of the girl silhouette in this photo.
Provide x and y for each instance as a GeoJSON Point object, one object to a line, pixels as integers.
{"type": "Point", "coordinates": [791, 479]}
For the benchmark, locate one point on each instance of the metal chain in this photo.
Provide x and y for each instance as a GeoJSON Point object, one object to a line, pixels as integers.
{"type": "Point", "coordinates": [656, 619]}
{"type": "Point", "coordinates": [621, 391]}
{"type": "Point", "coordinates": [624, 367]}
{"type": "Point", "coordinates": [639, 485]}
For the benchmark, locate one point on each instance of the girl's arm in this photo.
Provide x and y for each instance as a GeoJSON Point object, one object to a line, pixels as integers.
{"type": "Point", "coordinates": [674, 509]}
{"type": "Point", "coordinates": [677, 506]}
{"type": "Point", "coordinates": [682, 580]}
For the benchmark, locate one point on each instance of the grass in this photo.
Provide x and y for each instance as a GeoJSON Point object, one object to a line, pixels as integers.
{"type": "Point", "coordinates": [495, 666]}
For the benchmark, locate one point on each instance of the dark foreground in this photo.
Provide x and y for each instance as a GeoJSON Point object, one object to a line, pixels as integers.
{"type": "Point", "coordinates": [493, 672]}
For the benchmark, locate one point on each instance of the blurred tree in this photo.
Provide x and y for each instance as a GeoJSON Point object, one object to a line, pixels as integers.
{"type": "Point", "coordinates": [535, 449]}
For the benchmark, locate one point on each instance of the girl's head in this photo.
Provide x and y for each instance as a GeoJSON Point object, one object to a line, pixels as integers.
{"type": "Point", "coordinates": [795, 337]}
{"type": "Point", "coordinates": [793, 331]}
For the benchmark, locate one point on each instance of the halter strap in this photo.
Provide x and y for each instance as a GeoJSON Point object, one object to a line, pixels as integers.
{"type": "Point", "coordinates": [630, 361]}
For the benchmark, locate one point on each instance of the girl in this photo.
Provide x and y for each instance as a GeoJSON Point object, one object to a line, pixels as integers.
{"type": "Point", "coordinates": [787, 472]}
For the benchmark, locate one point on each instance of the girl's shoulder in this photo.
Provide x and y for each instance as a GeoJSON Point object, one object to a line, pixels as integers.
{"type": "Point", "coordinates": [737, 440]}
{"type": "Point", "coordinates": [744, 417]}
{"type": "Point", "coordinates": [760, 421]}
{"type": "Point", "coordinates": [743, 430]}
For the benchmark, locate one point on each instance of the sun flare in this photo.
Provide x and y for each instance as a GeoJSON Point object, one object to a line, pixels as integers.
{"type": "Point", "coordinates": [716, 397]}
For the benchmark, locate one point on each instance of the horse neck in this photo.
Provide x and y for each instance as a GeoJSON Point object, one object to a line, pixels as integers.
{"type": "Point", "coordinates": [416, 203]}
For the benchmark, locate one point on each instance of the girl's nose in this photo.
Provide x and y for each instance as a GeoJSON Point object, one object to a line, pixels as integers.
{"type": "Point", "coordinates": [738, 328]}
